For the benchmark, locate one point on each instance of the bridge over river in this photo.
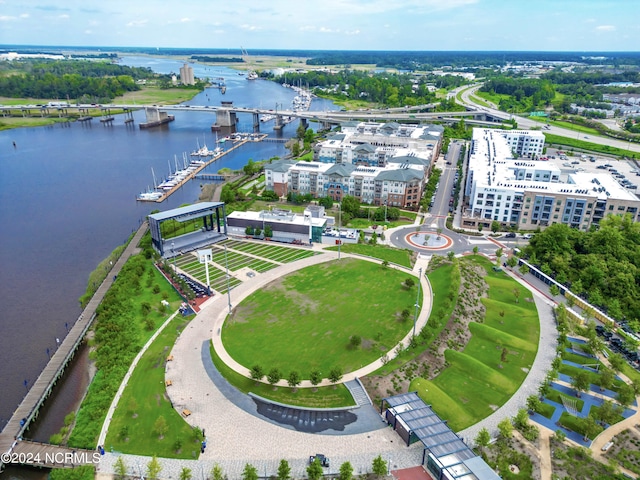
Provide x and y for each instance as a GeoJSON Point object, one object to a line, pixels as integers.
{"type": "Point", "coordinates": [226, 114]}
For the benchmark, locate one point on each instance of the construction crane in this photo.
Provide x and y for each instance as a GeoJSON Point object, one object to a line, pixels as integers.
{"type": "Point", "coordinates": [251, 74]}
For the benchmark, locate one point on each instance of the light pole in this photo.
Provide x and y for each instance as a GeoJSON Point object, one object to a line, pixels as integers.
{"type": "Point", "coordinates": [226, 263]}
{"type": "Point", "coordinates": [339, 215]}
{"type": "Point", "coordinates": [415, 315]}
{"type": "Point", "coordinates": [385, 211]}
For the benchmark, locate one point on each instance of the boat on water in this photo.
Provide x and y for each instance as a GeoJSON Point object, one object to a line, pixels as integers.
{"type": "Point", "coordinates": [149, 196]}
{"type": "Point", "coordinates": [252, 75]}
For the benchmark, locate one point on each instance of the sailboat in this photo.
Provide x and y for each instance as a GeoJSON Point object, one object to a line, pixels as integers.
{"type": "Point", "coordinates": [150, 195]}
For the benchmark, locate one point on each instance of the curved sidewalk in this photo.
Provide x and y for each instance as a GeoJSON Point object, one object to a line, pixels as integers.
{"type": "Point", "coordinates": [247, 288]}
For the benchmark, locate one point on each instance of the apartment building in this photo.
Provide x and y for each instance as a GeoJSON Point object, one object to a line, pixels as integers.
{"type": "Point", "coordinates": [534, 194]}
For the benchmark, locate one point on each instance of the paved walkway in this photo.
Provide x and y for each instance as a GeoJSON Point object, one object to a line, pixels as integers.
{"type": "Point", "coordinates": [235, 436]}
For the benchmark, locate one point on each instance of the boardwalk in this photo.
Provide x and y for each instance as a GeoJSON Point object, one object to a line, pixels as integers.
{"type": "Point", "coordinates": [40, 390]}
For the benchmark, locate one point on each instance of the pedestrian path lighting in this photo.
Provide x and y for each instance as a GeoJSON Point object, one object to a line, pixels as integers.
{"type": "Point", "coordinates": [204, 256]}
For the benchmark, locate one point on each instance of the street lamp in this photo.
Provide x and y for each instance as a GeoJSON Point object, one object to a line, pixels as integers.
{"type": "Point", "coordinates": [415, 315]}
{"type": "Point", "coordinates": [174, 256]}
{"type": "Point", "coordinates": [226, 262]}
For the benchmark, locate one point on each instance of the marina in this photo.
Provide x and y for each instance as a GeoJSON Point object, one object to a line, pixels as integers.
{"type": "Point", "coordinates": [180, 177]}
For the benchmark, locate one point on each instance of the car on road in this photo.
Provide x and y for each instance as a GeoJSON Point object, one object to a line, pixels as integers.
{"type": "Point", "coordinates": [510, 235]}
{"type": "Point", "coordinates": [527, 236]}
{"type": "Point", "coordinates": [324, 461]}
{"type": "Point", "coordinates": [586, 136]}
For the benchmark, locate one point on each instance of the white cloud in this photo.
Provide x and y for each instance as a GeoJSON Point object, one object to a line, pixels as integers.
{"type": "Point", "coordinates": [64, 16]}
{"type": "Point", "coordinates": [605, 28]}
{"type": "Point", "coordinates": [251, 28]}
{"type": "Point", "coordinates": [24, 15]}
{"type": "Point", "coordinates": [137, 23]}
{"type": "Point", "coordinates": [307, 28]}
{"type": "Point", "coordinates": [7, 18]}
{"type": "Point", "coordinates": [88, 32]}
{"type": "Point", "coordinates": [353, 32]}
{"type": "Point", "coordinates": [326, 30]}
{"type": "Point", "coordinates": [185, 19]}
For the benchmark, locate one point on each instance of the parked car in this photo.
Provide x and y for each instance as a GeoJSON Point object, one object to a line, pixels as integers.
{"type": "Point", "coordinates": [510, 235]}
{"type": "Point", "coordinates": [527, 236]}
{"type": "Point", "coordinates": [324, 461]}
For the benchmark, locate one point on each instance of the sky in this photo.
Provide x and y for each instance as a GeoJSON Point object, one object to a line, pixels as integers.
{"type": "Point", "coordinates": [512, 25]}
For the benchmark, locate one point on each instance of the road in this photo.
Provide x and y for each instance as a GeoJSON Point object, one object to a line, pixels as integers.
{"type": "Point", "coordinates": [523, 122]}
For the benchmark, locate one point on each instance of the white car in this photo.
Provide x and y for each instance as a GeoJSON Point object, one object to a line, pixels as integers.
{"type": "Point", "coordinates": [527, 236]}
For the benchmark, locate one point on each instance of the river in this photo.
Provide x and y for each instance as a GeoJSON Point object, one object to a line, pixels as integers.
{"type": "Point", "coordinates": [67, 199]}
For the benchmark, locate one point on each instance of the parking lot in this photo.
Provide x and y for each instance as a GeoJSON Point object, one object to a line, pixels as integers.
{"type": "Point", "coordinates": [625, 172]}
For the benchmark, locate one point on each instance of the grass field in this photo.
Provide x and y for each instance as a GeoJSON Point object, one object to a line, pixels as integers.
{"type": "Point", "coordinates": [477, 381]}
{"type": "Point", "coordinates": [322, 397]}
{"type": "Point", "coordinates": [392, 255]}
{"type": "Point", "coordinates": [587, 146]}
{"type": "Point", "coordinates": [145, 398]}
{"type": "Point", "coordinates": [305, 320]}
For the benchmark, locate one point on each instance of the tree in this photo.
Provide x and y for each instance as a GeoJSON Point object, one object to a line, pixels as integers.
{"type": "Point", "coordinates": [385, 264]}
{"type": "Point", "coordinates": [216, 472]}
{"type": "Point", "coordinates": [499, 253]}
{"type": "Point", "coordinates": [451, 255]}
{"type": "Point", "coordinates": [438, 232]}
{"type": "Point", "coordinates": [533, 403]}
{"type": "Point", "coordinates": [160, 427]}
{"type": "Point", "coordinates": [326, 202]}
{"type": "Point", "coordinates": [409, 282]}
{"type": "Point", "coordinates": [284, 470]}
{"type": "Point", "coordinates": [625, 395]}
{"type": "Point", "coordinates": [483, 438]}
{"type": "Point", "coordinates": [301, 131]}
{"type": "Point", "coordinates": [308, 136]}
{"type": "Point", "coordinates": [475, 250]}
{"type": "Point", "coordinates": [580, 382]}
{"type": "Point", "coordinates": [379, 466]}
{"type": "Point", "coordinates": [605, 379]}
{"type": "Point", "coordinates": [480, 227]}
{"type": "Point", "coordinates": [590, 427]}
{"type": "Point", "coordinates": [314, 471]}
{"type": "Point", "coordinates": [560, 435]}
{"type": "Point", "coordinates": [335, 374]}
{"type": "Point", "coordinates": [521, 420]}
{"type": "Point", "coordinates": [554, 290]}
{"type": "Point", "coordinates": [516, 293]}
{"type": "Point", "coordinates": [315, 377]}
{"type": "Point", "coordinates": [350, 205]}
{"type": "Point", "coordinates": [503, 355]}
{"type": "Point", "coordinates": [250, 472]}
{"type": "Point", "coordinates": [616, 361]}
{"type": "Point", "coordinates": [505, 427]}
{"type": "Point", "coordinates": [524, 269]}
{"type": "Point", "coordinates": [153, 468]}
{"type": "Point", "coordinates": [294, 379]}
{"type": "Point", "coordinates": [355, 341]}
{"type": "Point", "coordinates": [268, 231]}
{"type": "Point", "coordinates": [257, 372]}
{"type": "Point", "coordinates": [185, 473]}
{"type": "Point", "coordinates": [495, 226]}
{"type": "Point", "coordinates": [295, 149]}
{"type": "Point", "coordinates": [274, 376]}
{"type": "Point", "coordinates": [609, 412]}
{"type": "Point", "coordinates": [120, 468]}
{"type": "Point", "coordinates": [346, 471]}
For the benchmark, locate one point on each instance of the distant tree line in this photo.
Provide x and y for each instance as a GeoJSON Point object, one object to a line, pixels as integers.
{"type": "Point", "coordinates": [385, 88]}
{"type": "Point", "coordinates": [70, 80]}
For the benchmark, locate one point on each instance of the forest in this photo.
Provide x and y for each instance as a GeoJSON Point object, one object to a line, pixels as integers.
{"type": "Point", "coordinates": [392, 90]}
{"type": "Point", "coordinates": [602, 265]}
{"type": "Point", "coordinates": [82, 81]}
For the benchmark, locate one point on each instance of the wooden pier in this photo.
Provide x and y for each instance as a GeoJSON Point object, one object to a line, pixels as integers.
{"type": "Point", "coordinates": [27, 411]}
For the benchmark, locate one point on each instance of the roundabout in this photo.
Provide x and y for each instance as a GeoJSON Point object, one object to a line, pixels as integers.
{"type": "Point", "coordinates": [429, 241]}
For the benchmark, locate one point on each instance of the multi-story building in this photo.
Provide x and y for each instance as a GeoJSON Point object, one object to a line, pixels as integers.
{"type": "Point", "coordinates": [373, 144]}
{"type": "Point", "coordinates": [186, 75]}
{"type": "Point", "coordinates": [532, 194]}
{"type": "Point", "coordinates": [397, 184]}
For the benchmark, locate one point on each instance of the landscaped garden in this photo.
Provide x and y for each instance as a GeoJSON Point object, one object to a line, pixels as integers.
{"type": "Point", "coordinates": [344, 313]}
{"type": "Point", "coordinates": [482, 374]}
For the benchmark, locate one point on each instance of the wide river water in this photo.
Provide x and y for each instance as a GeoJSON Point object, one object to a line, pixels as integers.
{"type": "Point", "coordinates": [67, 199]}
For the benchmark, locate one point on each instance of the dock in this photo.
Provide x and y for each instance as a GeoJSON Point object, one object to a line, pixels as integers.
{"type": "Point", "coordinates": [196, 172]}
{"type": "Point", "coordinates": [11, 436]}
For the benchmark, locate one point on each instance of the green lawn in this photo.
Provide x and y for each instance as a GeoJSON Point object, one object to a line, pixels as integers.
{"type": "Point", "coordinates": [392, 255]}
{"type": "Point", "coordinates": [575, 424]}
{"type": "Point", "coordinates": [587, 146]}
{"type": "Point", "coordinates": [476, 380]}
{"type": "Point", "coordinates": [304, 321]}
{"type": "Point", "coordinates": [321, 397]}
{"type": "Point", "coordinates": [145, 398]}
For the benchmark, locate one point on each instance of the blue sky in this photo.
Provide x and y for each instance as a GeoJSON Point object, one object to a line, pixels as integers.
{"type": "Point", "coordinates": [554, 25]}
